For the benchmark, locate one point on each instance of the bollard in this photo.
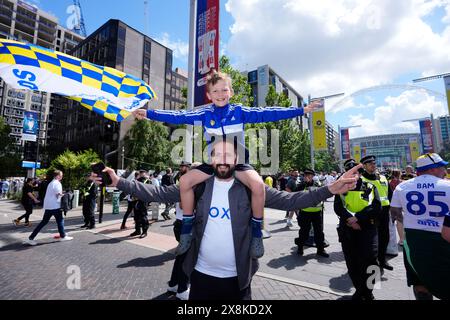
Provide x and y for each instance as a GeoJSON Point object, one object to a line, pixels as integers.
{"type": "Point", "coordinates": [116, 202]}
{"type": "Point", "coordinates": [76, 198]}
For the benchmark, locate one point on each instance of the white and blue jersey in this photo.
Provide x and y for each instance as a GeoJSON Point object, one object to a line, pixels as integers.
{"type": "Point", "coordinates": [425, 201]}
{"type": "Point", "coordinates": [227, 120]}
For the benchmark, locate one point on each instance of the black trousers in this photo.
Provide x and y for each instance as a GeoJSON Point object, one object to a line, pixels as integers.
{"type": "Point", "coordinates": [383, 234]}
{"type": "Point", "coordinates": [178, 276]}
{"type": "Point", "coordinates": [89, 212]}
{"type": "Point", "coordinates": [141, 216]}
{"type": "Point", "coordinates": [130, 208]}
{"type": "Point", "coordinates": [28, 211]}
{"type": "Point", "coordinates": [206, 287]}
{"type": "Point", "coordinates": [305, 220]}
{"type": "Point", "coordinates": [360, 252]}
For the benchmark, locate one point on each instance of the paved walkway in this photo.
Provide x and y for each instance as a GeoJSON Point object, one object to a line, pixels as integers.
{"type": "Point", "coordinates": [115, 266]}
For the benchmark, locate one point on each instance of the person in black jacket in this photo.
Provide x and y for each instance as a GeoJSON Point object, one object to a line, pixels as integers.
{"type": "Point", "coordinates": [358, 211]}
{"type": "Point", "coordinates": [90, 192]}
{"type": "Point", "coordinates": [167, 180]}
{"type": "Point", "coordinates": [28, 199]}
{"type": "Point", "coordinates": [140, 211]}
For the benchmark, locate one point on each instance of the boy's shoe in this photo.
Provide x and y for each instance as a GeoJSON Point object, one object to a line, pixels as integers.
{"type": "Point", "coordinates": [30, 242]}
{"type": "Point", "coordinates": [183, 295]}
{"type": "Point", "coordinates": [256, 248]}
{"type": "Point", "coordinates": [266, 234]}
{"type": "Point", "coordinates": [16, 222]}
{"type": "Point", "coordinates": [172, 289]}
{"type": "Point", "coordinates": [289, 223]}
{"type": "Point", "coordinates": [300, 250]}
{"type": "Point", "coordinates": [66, 238]}
{"type": "Point", "coordinates": [27, 224]}
{"type": "Point", "coordinates": [184, 244]}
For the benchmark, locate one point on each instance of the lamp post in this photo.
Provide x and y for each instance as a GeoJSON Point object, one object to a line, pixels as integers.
{"type": "Point", "coordinates": [311, 125]}
{"type": "Point", "coordinates": [340, 144]}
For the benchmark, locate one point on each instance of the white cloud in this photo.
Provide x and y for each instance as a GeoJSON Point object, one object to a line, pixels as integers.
{"type": "Point", "coordinates": [180, 48]}
{"type": "Point", "coordinates": [323, 47]}
{"type": "Point", "coordinates": [387, 119]}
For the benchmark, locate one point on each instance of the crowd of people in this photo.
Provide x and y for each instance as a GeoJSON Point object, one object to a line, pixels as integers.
{"type": "Point", "coordinates": [220, 208]}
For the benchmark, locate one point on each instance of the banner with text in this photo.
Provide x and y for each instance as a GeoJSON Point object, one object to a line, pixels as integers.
{"type": "Point", "coordinates": [357, 152]}
{"type": "Point", "coordinates": [30, 126]}
{"type": "Point", "coordinates": [426, 134]}
{"type": "Point", "coordinates": [414, 149]}
{"type": "Point", "coordinates": [447, 90]}
{"type": "Point", "coordinates": [319, 129]}
{"type": "Point", "coordinates": [207, 46]}
{"type": "Point", "coordinates": [345, 144]}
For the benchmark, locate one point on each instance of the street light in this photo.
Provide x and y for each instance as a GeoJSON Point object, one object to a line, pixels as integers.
{"type": "Point", "coordinates": [340, 143]}
{"type": "Point", "coordinates": [311, 125]}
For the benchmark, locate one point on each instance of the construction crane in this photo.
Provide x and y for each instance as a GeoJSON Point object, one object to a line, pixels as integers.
{"type": "Point", "coordinates": [146, 16]}
{"type": "Point", "coordinates": [80, 28]}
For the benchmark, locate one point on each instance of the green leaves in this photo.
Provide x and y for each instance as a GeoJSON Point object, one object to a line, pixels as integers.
{"type": "Point", "coordinates": [74, 166]}
{"type": "Point", "coordinates": [147, 146]}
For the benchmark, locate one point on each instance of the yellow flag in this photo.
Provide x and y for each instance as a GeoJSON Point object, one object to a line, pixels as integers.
{"type": "Point", "coordinates": [414, 149]}
{"type": "Point", "coordinates": [357, 152]}
{"type": "Point", "coordinates": [319, 129]}
{"type": "Point", "coordinates": [447, 89]}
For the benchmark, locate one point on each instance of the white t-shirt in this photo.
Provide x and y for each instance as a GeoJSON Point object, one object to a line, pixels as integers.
{"type": "Point", "coordinates": [52, 200]}
{"type": "Point", "coordinates": [178, 211]}
{"type": "Point", "coordinates": [216, 256]}
{"type": "Point", "coordinates": [425, 200]}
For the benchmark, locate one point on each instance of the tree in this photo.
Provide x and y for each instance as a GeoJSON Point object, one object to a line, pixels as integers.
{"type": "Point", "coordinates": [74, 166]}
{"type": "Point", "coordinates": [324, 161]}
{"type": "Point", "coordinates": [147, 146]}
{"type": "Point", "coordinates": [9, 158]}
{"type": "Point", "coordinates": [242, 90]}
{"type": "Point", "coordinates": [294, 145]}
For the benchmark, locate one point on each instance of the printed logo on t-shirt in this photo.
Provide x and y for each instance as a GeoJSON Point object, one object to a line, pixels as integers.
{"type": "Point", "coordinates": [222, 213]}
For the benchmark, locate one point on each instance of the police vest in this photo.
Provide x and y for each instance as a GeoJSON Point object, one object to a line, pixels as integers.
{"type": "Point", "coordinates": [317, 208]}
{"type": "Point", "coordinates": [86, 190]}
{"type": "Point", "coordinates": [382, 187]}
{"type": "Point", "coordinates": [357, 201]}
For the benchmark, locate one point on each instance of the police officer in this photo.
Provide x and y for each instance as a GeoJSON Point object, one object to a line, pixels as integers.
{"type": "Point", "coordinates": [370, 175]}
{"type": "Point", "coordinates": [357, 211]}
{"type": "Point", "coordinates": [308, 216]}
{"type": "Point", "coordinates": [90, 192]}
{"type": "Point", "coordinates": [140, 211]}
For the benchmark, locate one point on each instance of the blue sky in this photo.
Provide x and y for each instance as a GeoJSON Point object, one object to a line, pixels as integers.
{"type": "Point", "coordinates": [320, 47]}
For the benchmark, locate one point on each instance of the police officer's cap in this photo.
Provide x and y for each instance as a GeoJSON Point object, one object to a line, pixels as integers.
{"type": "Point", "coordinates": [368, 159]}
{"type": "Point", "coordinates": [350, 163]}
{"type": "Point", "coordinates": [309, 171]}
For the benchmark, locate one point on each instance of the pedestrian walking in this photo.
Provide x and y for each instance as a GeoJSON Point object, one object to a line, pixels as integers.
{"type": "Point", "coordinates": [28, 200]}
{"type": "Point", "coordinates": [52, 207]}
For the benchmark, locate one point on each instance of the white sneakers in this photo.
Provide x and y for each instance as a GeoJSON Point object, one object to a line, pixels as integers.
{"type": "Point", "coordinates": [30, 242]}
{"type": "Point", "coordinates": [183, 295]}
{"type": "Point", "coordinates": [289, 223]}
{"type": "Point", "coordinates": [66, 238]}
{"type": "Point", "coordinates": [180, 296]}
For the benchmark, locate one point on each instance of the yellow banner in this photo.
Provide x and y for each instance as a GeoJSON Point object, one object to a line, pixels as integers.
{"type": "Point", "coordinates": [357, 152]}
{"type": "Point", "coordinates": [414, 149]}
{"type": "Point", "coordinates": [447, 88]}
{"type": "Point", "coordinates": [319, 129]}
